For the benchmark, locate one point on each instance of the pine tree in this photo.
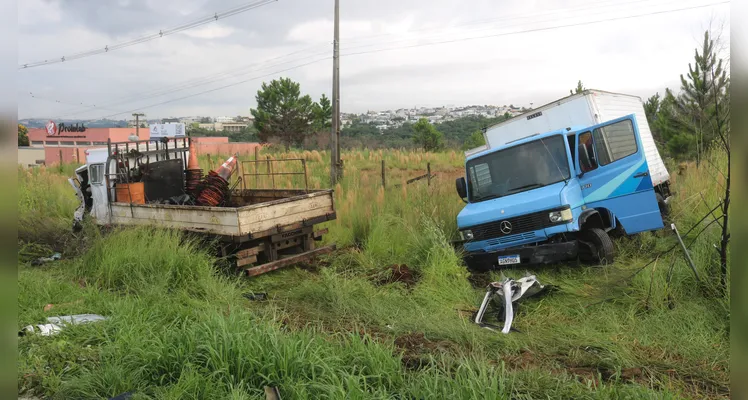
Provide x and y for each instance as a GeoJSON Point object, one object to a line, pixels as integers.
{"type": "Point", "coordinates": [704, 85]}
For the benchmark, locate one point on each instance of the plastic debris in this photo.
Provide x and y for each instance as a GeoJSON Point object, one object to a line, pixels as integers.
{"type": "Point", "coordinates": [262, 296]}
{"type": "Point", "coordinates": [56, 324]}
{"type": "Point", "coordinates": [506, 292]}
{"type": "Point", "coordinates": [42, 260]}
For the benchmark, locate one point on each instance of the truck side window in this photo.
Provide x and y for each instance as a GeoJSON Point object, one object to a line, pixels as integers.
{"type": "Point", "coordinates": [97, 173]}
{"type": "Point", "coordinates": [588, 163]}
{"type": "Point", "coordinates": [615, 141]}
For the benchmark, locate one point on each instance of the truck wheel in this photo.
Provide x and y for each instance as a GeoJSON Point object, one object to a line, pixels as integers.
{"type": "Point", "coordinates": [478, 267]}
{"type": "Point", "coordinates": [602, 251]}
{"type": "Point", "coordinates": [664, 208]}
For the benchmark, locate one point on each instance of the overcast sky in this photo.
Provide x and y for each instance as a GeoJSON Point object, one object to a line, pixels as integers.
{"type": "Point", "coordinates": [395, 53]}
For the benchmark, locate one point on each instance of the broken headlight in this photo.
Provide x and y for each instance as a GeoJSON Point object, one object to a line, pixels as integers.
{"type": "Point", "coordinates": [560, 216]}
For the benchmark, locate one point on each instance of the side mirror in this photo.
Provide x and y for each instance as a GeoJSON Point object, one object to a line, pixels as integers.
{"type": "Point", "coordinates": [584, 159]}
{"type": "Point", "coordinates": [461, 187]}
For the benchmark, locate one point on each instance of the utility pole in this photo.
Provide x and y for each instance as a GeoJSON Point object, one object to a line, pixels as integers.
{"type": "Point", "coordinates": [335, 165]}
{"type": "Point", "coordinates": [137, 123]}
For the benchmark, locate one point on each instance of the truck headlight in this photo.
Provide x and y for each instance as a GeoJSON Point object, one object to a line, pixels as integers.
{"type": "Point", "coordinates": [466, 234]}
{"type": "Point", "coordinates": [560, 216]}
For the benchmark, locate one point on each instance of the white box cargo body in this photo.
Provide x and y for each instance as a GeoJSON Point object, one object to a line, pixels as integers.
{"type": "Point", "coordinates": [588, 108]}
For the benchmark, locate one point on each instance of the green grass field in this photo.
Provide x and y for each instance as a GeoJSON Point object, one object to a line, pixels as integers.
{"type": "Point", "coordinates": [341, 328]}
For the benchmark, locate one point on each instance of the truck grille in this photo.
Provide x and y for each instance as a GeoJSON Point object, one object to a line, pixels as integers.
{"type": "Point", "coordinates": [520, 224]}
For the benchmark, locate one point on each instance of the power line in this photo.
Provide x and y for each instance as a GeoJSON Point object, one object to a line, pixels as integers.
{"type": "Point", "coordinates": [537, 29]}
{"type": "Point", "coordinates": [201, 81]}
{"type": "Point", "coordinates": [160, 34]}
{"type": "Point", "coordinates": [194, 83]}
{"type": "Point", "coordinates": [421, 45]}
{"type": "Point", "coordinates": [486, 21]}
{"type": "Point", "coordinates": [214, 89]}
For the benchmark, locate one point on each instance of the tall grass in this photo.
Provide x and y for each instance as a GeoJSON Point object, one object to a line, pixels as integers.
{"type": "Point", "coordinates": [178, 329]}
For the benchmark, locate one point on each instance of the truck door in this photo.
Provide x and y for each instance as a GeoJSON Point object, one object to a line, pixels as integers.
{"type": "Point", "coordinates": [615, 175]}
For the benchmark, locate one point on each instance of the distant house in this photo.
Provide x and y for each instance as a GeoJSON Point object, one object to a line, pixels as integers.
{"type": "Point", "coordinates": [170, 121]}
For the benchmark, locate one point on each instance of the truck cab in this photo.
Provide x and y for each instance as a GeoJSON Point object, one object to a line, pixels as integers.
{"type": "Point", "coordinates": [556, 196]}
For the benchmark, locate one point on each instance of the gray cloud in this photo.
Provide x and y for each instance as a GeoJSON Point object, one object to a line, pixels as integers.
{"type": "Point", "coordinates": [639, 56]}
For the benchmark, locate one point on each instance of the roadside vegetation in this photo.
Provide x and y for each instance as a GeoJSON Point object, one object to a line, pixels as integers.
{"type": "Point", "coordinates": [386, 316]}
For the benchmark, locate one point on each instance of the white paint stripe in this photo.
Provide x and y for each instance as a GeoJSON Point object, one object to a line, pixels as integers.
{"type": "Point", "coordinates": [605, 190]}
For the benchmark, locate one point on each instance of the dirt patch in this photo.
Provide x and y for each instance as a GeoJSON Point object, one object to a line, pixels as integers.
{"type": "Point", "coordinates": [417, 349]}
{"type": "Point", "coordinates": [398, 273]}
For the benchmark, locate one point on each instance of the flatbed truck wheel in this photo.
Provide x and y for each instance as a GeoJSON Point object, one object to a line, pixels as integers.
{"type": "Point", "coordinates": [602, 250]}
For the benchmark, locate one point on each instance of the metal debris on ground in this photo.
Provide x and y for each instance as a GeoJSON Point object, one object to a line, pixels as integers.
{"type": "Point", "coordinates": [256, 296]}
{"type": "Point", "coordinates": [42, 260]}
{"type": "Point", "coordinates": [506, 292]}
{"type": "Point", "coordinates": [56, 324]}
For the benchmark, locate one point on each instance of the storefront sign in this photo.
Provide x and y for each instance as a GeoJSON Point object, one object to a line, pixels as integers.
{"type": "Point", "coordinates": [55, 130]}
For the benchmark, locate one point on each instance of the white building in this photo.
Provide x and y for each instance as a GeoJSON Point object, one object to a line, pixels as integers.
{"type": "Point", "coordinates": [224, 119]}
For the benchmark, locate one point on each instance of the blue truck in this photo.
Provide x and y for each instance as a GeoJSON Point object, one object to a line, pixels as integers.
{"type": "Point", "coordinates": [559, 195]}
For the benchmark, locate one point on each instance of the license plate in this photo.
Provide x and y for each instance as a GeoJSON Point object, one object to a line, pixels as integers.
{"type": "Point", "coordinates": [507, 260]}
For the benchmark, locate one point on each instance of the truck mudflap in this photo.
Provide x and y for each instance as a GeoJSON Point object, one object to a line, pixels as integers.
{"type": "Point", "coordinates": [540, 254]}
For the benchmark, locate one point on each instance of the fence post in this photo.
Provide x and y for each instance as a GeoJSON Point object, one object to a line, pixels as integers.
{"type": "Point", "coordinates": [384, 178]}
{"type": "Point", "coordinates": [428, 172]}
{"type": "Point", "coordinates": [270, 171]}
{"type": "Point", "coordinates": [210, 162]}
{"type": "Point", "coordinates": [60, 158]}
{"type": "Point", "coordinates": [257, 167]}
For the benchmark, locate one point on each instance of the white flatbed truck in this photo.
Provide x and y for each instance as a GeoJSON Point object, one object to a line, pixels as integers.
{"type": "Point", "coordinates": [262, 229]}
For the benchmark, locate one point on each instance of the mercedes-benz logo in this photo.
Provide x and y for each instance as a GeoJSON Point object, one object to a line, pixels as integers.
{"type": "Point", "coordinates": [506, 227]}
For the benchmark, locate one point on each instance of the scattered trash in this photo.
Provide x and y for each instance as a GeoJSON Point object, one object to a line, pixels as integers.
{"type": "Point", "coordinates": [272, 393]}
{"type": "Point", "coordinates": [256, 296]}
{"type": "Point", "coordinates": [507, 292]}
{"type": "Point", "coordinates": [42, 260]}
{"type": "Point", "coordinates": [56, 324]}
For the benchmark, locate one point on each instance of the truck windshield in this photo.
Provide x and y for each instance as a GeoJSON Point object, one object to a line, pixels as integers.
{"type": "Point", "coordinates": [523, 167]}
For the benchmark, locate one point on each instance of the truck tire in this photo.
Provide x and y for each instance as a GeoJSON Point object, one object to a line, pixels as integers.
{"type": "Point", "coordinates": [603, 251]}
{"type": "Point", "coordinates": [664, 208]}
{"type": "Point", "coordinates": [478, 267]}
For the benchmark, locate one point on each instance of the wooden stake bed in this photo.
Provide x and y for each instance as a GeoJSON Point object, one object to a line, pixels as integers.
{"type": "Point", "coordinates": [256, 212]}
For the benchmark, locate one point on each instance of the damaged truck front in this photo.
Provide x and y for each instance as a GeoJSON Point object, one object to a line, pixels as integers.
{"type": "Point", "coordinates": [153, 183]}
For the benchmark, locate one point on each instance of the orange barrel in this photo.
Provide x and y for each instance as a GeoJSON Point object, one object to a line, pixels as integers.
{"type": "Point", "coordinates": [130, 193]}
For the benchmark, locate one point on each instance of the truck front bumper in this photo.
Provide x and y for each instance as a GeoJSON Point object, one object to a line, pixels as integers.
{"type": "Point", "coordinates": [539, 254]}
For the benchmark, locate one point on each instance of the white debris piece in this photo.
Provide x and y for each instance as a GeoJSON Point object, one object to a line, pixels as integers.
{"type": "Point", "coordinates": [510, 291]}
{"type": "Point", "coordinates": [56, 324]}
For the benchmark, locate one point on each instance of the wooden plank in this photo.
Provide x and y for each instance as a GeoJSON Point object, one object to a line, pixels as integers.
{"type": "Point", "coordinates": [222, 223]}
{"type": "Point", "coordinates": [291, 227]}
{"type": "Point", "coordinates": [318, 234]}
{"type": "Point", "coordinates": [272, 211]}
{"type": "Point", "coordinates": [249, 252]}
{"type": "Point", "coordinates": [240, 262]}
{"type": "Point", "coordinates": [266, 225]}
{"type": "Point", "coordinates": [261, 269]}
{"type": "Point", "coordinates": [259, 220]}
